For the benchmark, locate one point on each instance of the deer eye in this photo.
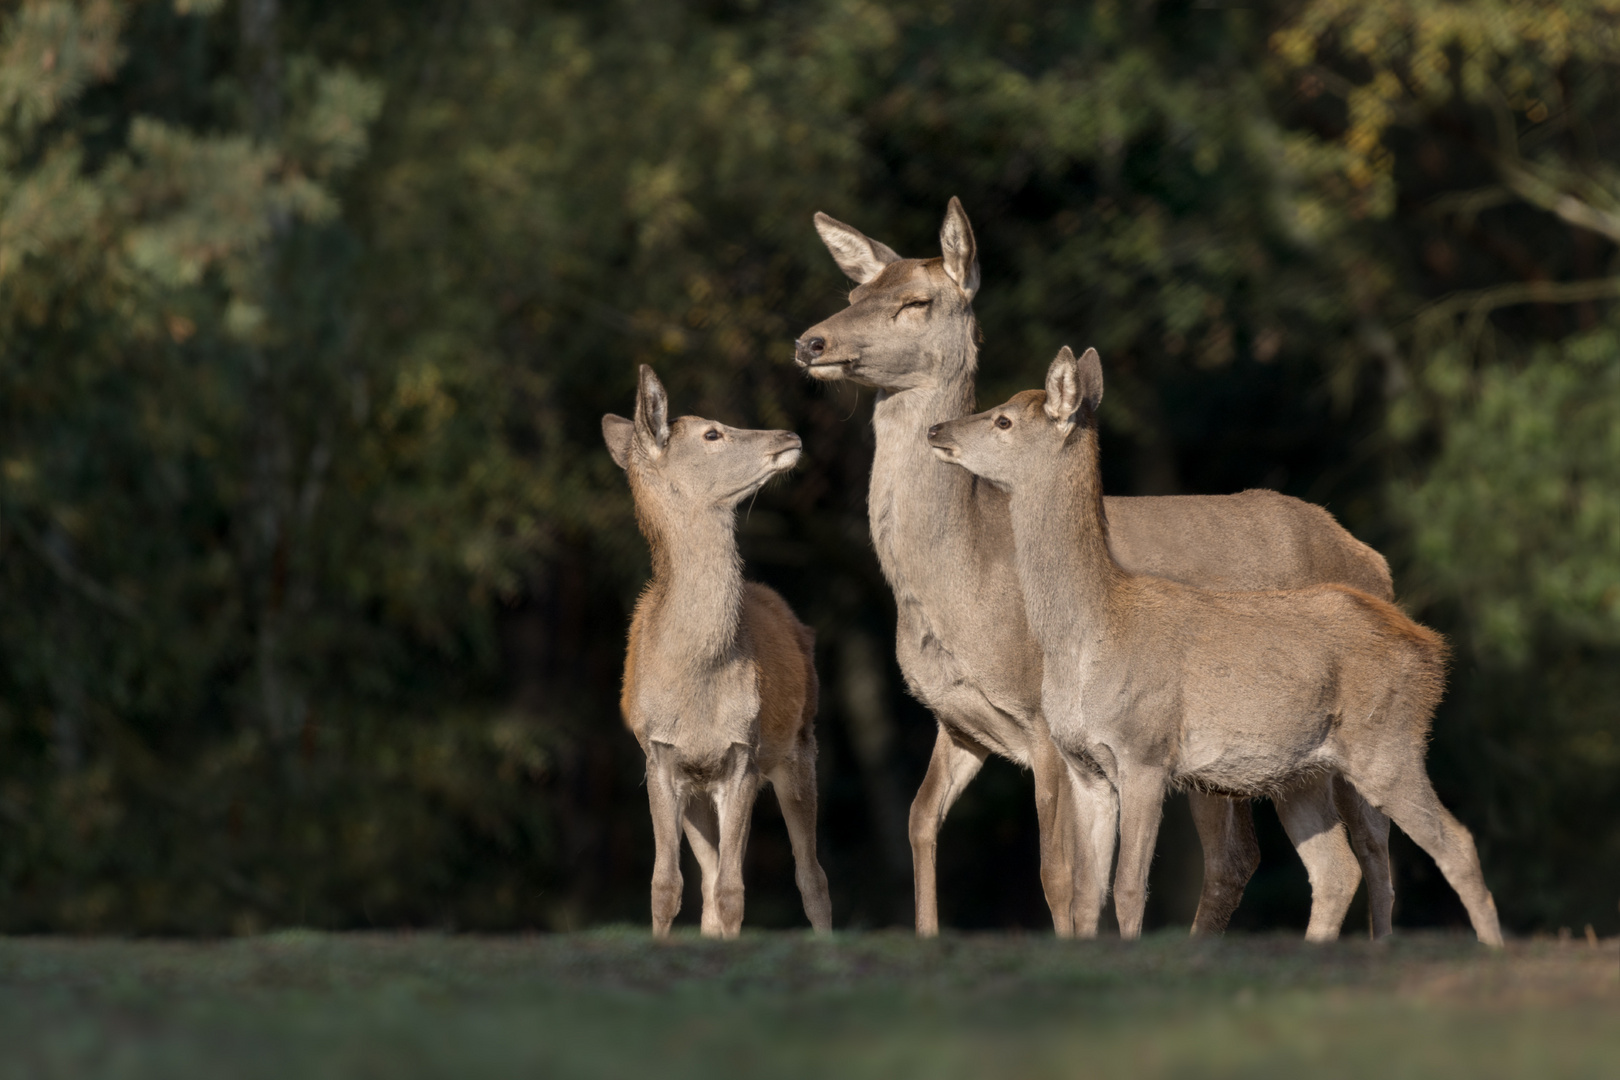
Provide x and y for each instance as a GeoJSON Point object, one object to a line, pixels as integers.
{"type": "Point", "coordinates": [712, 435]}
{"type": "Point", "coordinates": [915, 304]}
{"type": "Point", "coordinates": [1003, 423]}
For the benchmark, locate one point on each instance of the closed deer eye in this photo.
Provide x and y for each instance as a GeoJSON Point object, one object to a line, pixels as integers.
{"type": "Point", "coordinates": [1003, 423]}
{"type": "Point", "coordinates": [712, 435]}
{"type": "Point", "coordinates": [909, 304]}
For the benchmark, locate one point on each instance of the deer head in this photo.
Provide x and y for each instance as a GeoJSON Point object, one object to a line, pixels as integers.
{"type": "Point", "coordinates": [1020, 440]}
{"type": "Point", "coordinates": [907, 320]}
{"type": "Point", "coordinates": [691, 460]}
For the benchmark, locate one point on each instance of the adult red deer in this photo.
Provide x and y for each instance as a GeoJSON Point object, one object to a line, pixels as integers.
{"type": "Point", "coordinates": [1153, 684]}
{"type": "Point", "coordinates": [946, 546]}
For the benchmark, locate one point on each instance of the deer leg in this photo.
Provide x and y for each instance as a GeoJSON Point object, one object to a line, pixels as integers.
{"type": "Point", "coordinates": [1096, 826]}
{"type": "Point", "coordinates": [1407, 796]}
{"type": "Point", "coordinates": [734, 805]}
{"type": "Point", "coordinates": [664, 798]}
{"type": "Point", "coordinates": [703, 836]}
{"type": "Point", "coordinates": [1056, 810]}
{"type": "Point", "coordinates": [953, 766]}
{"type": "Point", "coordinates": [1369, 836]}
{"type": "Point", "coordinates": [1312, 823]}
{"type": "Point", "coordinates": [795, 784]}
{"type": "Point", "coordinates": [1231, 855]}
{"type": "Point", "coordinates": [1141, 805]}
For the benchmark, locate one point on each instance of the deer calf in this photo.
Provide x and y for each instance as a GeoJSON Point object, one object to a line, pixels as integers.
{"type": "Point", "coordinates": [1154, 684]}
{"type": "Point", "coordinates": [720, 682]}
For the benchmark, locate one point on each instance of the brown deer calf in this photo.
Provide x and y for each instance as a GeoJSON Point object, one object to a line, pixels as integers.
{"type": "Point", "coordinates": [720, 682]}
{"type": "Point", "coordinates": [1152, 684]}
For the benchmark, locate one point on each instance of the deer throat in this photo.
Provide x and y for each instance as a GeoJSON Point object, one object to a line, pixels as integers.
{"type": "Point", "coordinates": [941, 553]}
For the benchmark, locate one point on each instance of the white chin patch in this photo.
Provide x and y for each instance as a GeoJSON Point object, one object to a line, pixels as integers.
{"type": "Point", "coordinates": [828, 372]}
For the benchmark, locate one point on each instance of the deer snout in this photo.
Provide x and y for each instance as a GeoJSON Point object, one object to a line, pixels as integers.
{"type": "Point", "coordinates": [785, 454]}
{"type": "Point", "coordinates": [941, 443]}
{"type": "Point", "coordinates": [807, 351]}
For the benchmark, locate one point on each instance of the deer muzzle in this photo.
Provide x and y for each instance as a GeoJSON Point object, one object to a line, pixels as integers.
{"type": "Point", "coordinates": [786, 455]}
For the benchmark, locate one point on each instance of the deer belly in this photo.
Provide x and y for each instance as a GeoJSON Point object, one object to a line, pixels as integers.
{"type": "Point", "coordinates": [1251, 758]}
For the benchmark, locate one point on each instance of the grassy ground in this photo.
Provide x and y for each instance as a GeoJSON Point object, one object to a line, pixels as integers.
{"type": "Point", "coordinates": [613, 1004]}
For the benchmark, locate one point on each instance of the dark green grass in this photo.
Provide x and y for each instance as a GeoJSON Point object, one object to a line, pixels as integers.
{"type": "Point", "coordinates": [614, 1004]}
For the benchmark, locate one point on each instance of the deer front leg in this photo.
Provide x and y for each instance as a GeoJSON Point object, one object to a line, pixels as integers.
{"type": "Point", "coordinates": [1056, 810]}
{"type": "Point", "coordinates": [953, 766]}
{"type": "Point", "coordinates": [1096, 814]}
{"type": "Point", "coordinates": [1231, 855]}
{"type": "Point", "coordinates": [664, 798]}
{"type": "Point", "coordinates": [703, 837]}
{"type": "Point", "coordinates": [1141, 805]}
{"type": "Point", "coordinates": [734, 797]}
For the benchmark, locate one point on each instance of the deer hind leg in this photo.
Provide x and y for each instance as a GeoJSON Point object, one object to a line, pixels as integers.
{"type": "Point", "coordinates": [1231, 856]}
{"type": "Point", "coordinates": [1402, 790]}
{"type": "Point", "coordinates": [703, 836]}
{"type": "Point", "coordinates": [1369, 836]}
{"type": "Point", "coordinates": [1141, 806]}
{"type": "Point", "coordinates": [953, 766]}
{"type": "Point", "coordinates": [1312, 823]}
{"type": "Point", "coordinates": [795, 784]}
{"type": "Point", "coordinates": [734, 797]}
{"type": "Point", "coordinates": [664, 798]}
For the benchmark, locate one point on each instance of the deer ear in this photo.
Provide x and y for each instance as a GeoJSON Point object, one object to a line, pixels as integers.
{"type": "Point", "coordinates": [618, 433]}
{"type": "Point", "coordinates": [1089, 370]}
{"type": "Point", "coordinates": [856, 254]}
{"type": "Point", "coordinates": [1063, 388]}
{"type": "Point", "coordinates": [652, 413]}
{"type": "Point", "coordinates": [961, 253]}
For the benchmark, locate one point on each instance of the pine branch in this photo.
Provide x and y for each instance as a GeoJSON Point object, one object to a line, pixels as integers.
{"type": "Point", "coordinates": [74, 578]}
{"type": "Point", "coordinates": [1484, 301]}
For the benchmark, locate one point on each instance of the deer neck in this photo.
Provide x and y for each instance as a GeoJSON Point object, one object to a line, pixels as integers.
{"type": "Point", "coordinates": [1060, 533]}
{"type": "Point", "coordinates": [697, 584]}
{"type": "Point", "coordinates": [923, 511]}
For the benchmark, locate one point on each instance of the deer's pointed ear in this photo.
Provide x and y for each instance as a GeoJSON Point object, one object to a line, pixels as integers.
{"type": "Point", "coordinates": [856, 254]}
{"type": "Point", "coordinates": [961, 252]}
{"type": "Point", "coordinates": [1062, 388]}
{"type": "Point", "coordinates": [1073, 386]}
{"type": "Point", "coordinates": [652, 413]}
{"type": "Point", "coordinates": [1089, 371]}
{"type": "Point", "coordinates": [618, 433]}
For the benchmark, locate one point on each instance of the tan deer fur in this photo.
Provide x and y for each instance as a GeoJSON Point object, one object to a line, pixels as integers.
{"type": "Point", "coordinates": [945, 544]}
{"type": "Point", "coordinates": [1155, 684]}
{"type": "Point", "coordinates": [720, 682]}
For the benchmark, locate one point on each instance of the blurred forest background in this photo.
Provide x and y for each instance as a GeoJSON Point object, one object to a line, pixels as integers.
{"type": "Point", "coordinates": [314, 573]}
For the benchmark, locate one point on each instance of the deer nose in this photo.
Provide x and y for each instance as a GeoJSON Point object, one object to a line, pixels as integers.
{"type": "Point", "coordinates": [934, 430]}
{"type": "Point", "coordinates": [807, 350]}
